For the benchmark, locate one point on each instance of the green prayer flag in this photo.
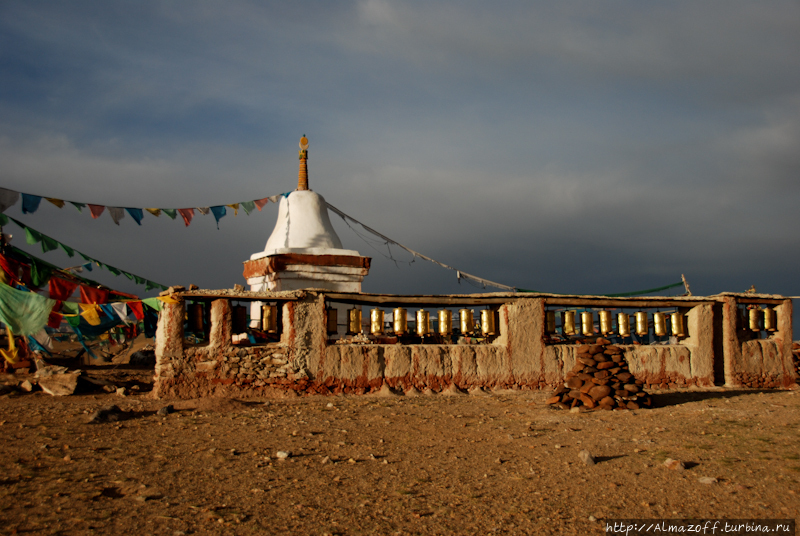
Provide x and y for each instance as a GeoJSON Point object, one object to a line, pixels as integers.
{"type": "Point", "coordinates": [139, 280]}
{"type": "Point", "coordinates": [149, 285]}
{"type": "Point", "coordinates": [112, 269]}
{"type": "Point", "coordinates": [248, 206]}
{"type": "Point", "coordinates": [48, 244]}
{"type": "Point", "coordinates": [73, 321]}
{"type": "Point", "coordinates": [71, 308]}
{"type": "Point", "coordinates": [25, 313]}
{"type": "Point", "coordinates": [68, 250]}
{"type": "Point", "coordinates": [171, 212]}
{"type": "Point", "coordinates": [3, 219]}
{"type": "Point", "coordinates": [40, 273]}
{"type": "Point", "coordinates": [79, 206]}
{"type": "Point", "coordinates": [153, 303]}
{"type": "Point", "coordinates": [129, 276]}
{"type": "Point", "coordinates": [32, 237]}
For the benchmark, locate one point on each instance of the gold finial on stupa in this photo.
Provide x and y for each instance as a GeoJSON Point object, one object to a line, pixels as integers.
{"type": "Point", "coordinates": [302, 177]}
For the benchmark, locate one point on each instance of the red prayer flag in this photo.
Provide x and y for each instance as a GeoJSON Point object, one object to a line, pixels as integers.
{"type": "Point", "coordinates": [54, 320]}
{"type": "Point", "coordinates": [61, 289]}
{"type": "Point", "coordinates": [136, 308]}
{"type": "Point", "coordinates": [96, 210]}
{"type": "Point", "coordinates": [261, 202]}
{"type": "Point", "coordinates": [93, 295]}
{"type": "Point", "coordinates": [187, 214]}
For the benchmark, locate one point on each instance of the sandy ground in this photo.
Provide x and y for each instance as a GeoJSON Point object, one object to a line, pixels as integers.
{"type": "Point", "coordinates": [502, 463]}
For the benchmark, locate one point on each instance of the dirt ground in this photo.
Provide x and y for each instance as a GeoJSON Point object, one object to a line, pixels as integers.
{"type": "Point", "coordinates": [500, 463]}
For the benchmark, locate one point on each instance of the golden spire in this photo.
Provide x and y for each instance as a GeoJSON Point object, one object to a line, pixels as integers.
{"type": "Point", "coordinates": [302, 176]}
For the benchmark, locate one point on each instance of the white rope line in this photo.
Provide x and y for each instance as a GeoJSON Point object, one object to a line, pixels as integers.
{"type": "Point", "coordinates": [459, 274]}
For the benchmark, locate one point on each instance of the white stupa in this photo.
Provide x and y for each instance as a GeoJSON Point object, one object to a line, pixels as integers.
{"type": "Point", "coordinates": [303, 250]}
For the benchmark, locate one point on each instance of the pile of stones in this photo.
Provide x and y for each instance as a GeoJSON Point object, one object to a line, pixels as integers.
{"type": "Point", "coordinates": [600, 379]}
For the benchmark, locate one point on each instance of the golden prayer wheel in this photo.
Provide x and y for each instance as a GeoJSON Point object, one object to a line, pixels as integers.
{"type": "Point", "coordinates": [376, 321]}
{"type": "Point", "coordinates": [568, 323]}
{"type": "Point", "coordinates": [239, 319]}
{"type": "Point", "coordinates": [624, 324]}
{"type": "Point", "coordinates": [587, 323]}
{"type": "Point", "coordinates": [466, 321]}
{"type": "Point", "coordinates": [755, 319]}
{"type": "Point", "coordinates": [659, 324]}
{"type": "Point", "coordinates": [445, 322]}
{"type": "Point", "coordinates": [550, 321]}
{"type": "Point", "coordinates": [641, 323]}
{"type": "Point", "coordinates": [605, 322]}
{"type": "Point", "coordinates": [487, 322]}
{"type": "Point", "coordinates": [333, 320]}
{"type": "Point", "coordinates": [770, 319]}
{"type": "Point", "coordinates": [678, 328]}
{"type": "Point", "coordinates": [269, 318]}
{"type": "Point", "coordinates": [195, 313]}
{"type": "Point", "coordinates": [423, 323]}
{"type": "Point", "coordinates": [400, 321]}
{"type": "Point", "coordinates": [354, 320]}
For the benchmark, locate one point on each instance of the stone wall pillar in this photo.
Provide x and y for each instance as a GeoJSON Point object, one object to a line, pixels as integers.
{"type": "Point", "coordinates": [731, 347]}
{"type": "Point", "coordinates": [783, 338]}
{"type": "Point", "coordinates": [169, 344]}
{"type": "Point", "coordinates": [700, 341]}
{"type": "Point", "coordinates": [526, 346]}
{"type": "Point", "coordinates": [221, 324]}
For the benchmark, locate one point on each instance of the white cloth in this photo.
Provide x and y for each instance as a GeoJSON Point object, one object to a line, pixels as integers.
{"type": "Point", "coordinates": [8, 198]}
{"type": "Point", "coordinates": [116, 213]}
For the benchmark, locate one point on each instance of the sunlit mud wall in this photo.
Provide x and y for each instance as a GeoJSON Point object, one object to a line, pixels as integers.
{"type": "Point", "coordinates": [715, 353]}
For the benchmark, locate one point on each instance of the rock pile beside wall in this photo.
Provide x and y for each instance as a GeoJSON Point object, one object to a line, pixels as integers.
{"type": "Point", "coordinates": [600, 379]}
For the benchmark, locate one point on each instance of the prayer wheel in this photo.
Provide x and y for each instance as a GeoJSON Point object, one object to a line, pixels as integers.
{"type": "Point", "coordinates": [195, 314]}
{"type": "Point", "coordinates": [550, 321]}
{"type": "Point", "coordinates": [466, 321]}
{"type": "Point", "coordinates": [487, 322]}
{"type": "Point", "coordinates": [445, 322]}
{"type": "Point", "coordinates": [605, 322]}
{"type": "Point", "coordinates": [659, 324]}
{"type": "Point", "coordinates": [678, 328]}
{"type": "Point", "coordinates": [239, 319]}
{"type": "Point", "coordinates": [755, 319]}
{"type": "Point", "coordinates": [624, 324]}
{"type": "Point", "coordinates": [269, 318]}
{"type": "Point", "coordinates": [770, 319]}
{"type": "Point", "coordinates": [333, 320]}
{"type": "Point", "coordinates": [641, 323]}
{"type": "Point", "coordinates": [354, 321]}
{"type": "Point", "coordinates": [568, 323]}
{"type": "Point", "coordinates": [376, 321]}
{"type": "Point", "coordinates": [587, 323]}
{"type": "Point", "coordinates": [400, 321]}
{"type": "Point", "coordinates": [423, 323]}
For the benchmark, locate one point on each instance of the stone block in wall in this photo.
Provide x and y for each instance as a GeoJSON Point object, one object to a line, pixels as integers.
{"type": "Point", "coordinates": [659, 364]}
{"type": "Point", "coordinates": [205, 366]}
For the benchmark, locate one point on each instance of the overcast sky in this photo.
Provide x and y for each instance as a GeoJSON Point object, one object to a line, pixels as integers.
{"type": "Point", "coordinates": [570, 147]}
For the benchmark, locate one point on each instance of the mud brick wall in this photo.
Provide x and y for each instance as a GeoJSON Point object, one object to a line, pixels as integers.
{"type": "Point", "coordinates": [763, 363]}
{"type": "Point", "coordinates": [517, 358]}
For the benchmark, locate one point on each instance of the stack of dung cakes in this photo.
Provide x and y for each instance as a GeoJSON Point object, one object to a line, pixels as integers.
{"type": "Point", "coordinates": [600, 379]}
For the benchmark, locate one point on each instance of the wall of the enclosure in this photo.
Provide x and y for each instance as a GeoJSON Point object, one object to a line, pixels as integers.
{"type": "Point", "coordinates": [517, 358]}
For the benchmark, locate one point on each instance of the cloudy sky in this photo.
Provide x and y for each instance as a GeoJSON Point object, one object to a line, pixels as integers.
{"type": "Point", "coordinates": [571, 147]}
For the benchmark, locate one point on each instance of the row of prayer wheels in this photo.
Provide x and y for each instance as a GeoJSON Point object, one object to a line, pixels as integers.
{"type": "Point", "coordinates": [641, 319]}
{"type": "Point", "coordinates": [423, 322]}
{"type": "Point", "coordinates": [269, 318]}
{"type": "Point", "coordinates": [752, 319]}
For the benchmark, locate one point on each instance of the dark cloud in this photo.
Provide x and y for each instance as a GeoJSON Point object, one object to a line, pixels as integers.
{"type": "Point", "coordinates": [570, 147]}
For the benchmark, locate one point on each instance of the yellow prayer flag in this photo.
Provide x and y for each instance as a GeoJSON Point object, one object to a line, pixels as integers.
{"type": "Point", "coordinates": [90, 313]}
{"type": "Point", "coordinates": [235, 208]}
{"type": "Point", "coordinates": [57, 202]}
{"type": "Point", "coordinates": [169, 299]}
{"type": "Point", "coordinates": [154, 211]}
